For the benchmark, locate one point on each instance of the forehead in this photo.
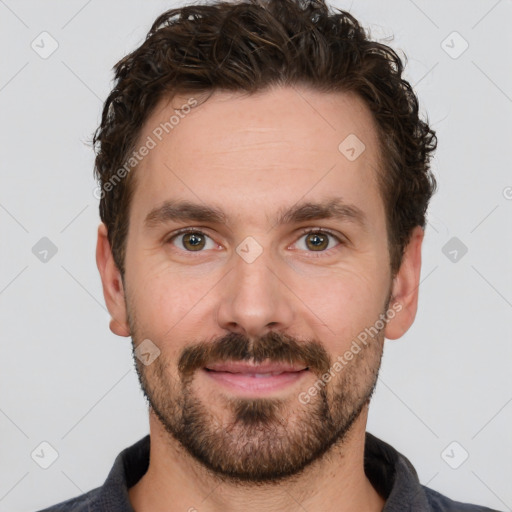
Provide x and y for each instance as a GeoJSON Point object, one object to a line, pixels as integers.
{"type": "Point", "coordinates": [270, 149]}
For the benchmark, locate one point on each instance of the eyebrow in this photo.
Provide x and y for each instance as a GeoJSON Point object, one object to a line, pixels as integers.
{"type": "Point", "coordinates": [301, 212]}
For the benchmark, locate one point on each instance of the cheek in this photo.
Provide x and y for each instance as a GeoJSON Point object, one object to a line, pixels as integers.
{"type": "Point", "coordinates": [341, 306]}
{"type": "Point", "coordinates": [166, 301]}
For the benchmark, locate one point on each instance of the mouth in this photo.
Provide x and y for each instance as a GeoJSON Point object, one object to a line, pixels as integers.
{"type": "Point", "coordinates": [255, 379]}
{"type": "Point", "coordinates": [259, 369]}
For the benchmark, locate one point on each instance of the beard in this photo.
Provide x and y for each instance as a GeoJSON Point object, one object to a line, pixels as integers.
{"type": "Point", "coordinates": [255, 441]}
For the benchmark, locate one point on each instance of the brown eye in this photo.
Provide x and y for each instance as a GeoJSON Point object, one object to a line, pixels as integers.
{"type": "Point", "coordinates": [191, 241]}
{"type": "Point", "coordinates": [317, 241]}
{"type": "Point", "coordinates": [194, 241]}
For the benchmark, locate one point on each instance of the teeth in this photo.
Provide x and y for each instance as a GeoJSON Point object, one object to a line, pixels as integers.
{"type": "Point", "coordinates": [257, 375]}
{"type": "Point", "coordinates": [263, 375]}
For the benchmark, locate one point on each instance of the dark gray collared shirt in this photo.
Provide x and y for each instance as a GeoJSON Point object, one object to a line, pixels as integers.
{"type": "Point", "coordinates": [392, 475]}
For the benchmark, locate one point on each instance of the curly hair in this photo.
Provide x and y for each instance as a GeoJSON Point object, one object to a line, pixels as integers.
{"type": "Point", "coordinates": [250, 46]}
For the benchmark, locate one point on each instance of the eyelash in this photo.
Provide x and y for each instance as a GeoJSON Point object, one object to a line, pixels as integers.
{"type": "Point", "coordinates": [305, 231]}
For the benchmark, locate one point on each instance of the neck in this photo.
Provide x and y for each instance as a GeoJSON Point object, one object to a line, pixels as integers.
{"type": "Point", "coordinates": [176, 481]}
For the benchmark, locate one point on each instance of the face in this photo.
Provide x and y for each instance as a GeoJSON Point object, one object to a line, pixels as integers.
{"type": "Point", "coordinates": [256, 238]}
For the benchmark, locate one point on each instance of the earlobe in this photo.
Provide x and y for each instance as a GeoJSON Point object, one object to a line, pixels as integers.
{"type": "Point", "coordinates": [405, 288]}
{"type": "Point", "coordinates": [113, 289]}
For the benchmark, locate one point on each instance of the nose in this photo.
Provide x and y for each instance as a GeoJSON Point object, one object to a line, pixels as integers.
{"type": "Point", "coordinates": [255, 298]}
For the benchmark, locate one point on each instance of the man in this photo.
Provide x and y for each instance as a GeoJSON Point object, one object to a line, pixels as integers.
{"type": "Point", "coordinates": [264, 178]}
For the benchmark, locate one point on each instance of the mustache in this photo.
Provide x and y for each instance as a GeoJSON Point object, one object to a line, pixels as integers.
{"type": "Point", "coordinates": [272, 347]}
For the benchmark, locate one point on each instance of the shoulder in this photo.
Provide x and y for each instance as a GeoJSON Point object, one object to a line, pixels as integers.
{"type": "Point", "coordinates": [440, 503]}
{"type": "Point", "coordinates": [83, 503]}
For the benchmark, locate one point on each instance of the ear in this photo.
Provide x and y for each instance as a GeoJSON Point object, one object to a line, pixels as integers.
{"type": "Point", "coordinates": [112, 284]}
{"type": "Point", "coordinates": [404, 291]}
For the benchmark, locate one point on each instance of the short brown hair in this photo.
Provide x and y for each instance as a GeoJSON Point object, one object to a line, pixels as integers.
{"type": "Point", "coordinates": [249, 46]}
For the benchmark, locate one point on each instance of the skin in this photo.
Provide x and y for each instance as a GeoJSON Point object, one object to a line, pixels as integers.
{"type": "Point", "coordinates": [252, 156]}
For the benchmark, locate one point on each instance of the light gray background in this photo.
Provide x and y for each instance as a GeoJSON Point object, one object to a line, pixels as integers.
{"type": "Point", "coordinates": [68, 381]}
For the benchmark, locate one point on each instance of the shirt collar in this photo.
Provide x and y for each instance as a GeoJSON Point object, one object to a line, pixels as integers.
{"type": "Point", "coordinates": [393, 476]}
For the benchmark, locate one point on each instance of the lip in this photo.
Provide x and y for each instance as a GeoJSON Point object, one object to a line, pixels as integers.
{"type": "Point", "coordinates": [242, 367]}
{"type": "Point", "coordinates": [254, 380]}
